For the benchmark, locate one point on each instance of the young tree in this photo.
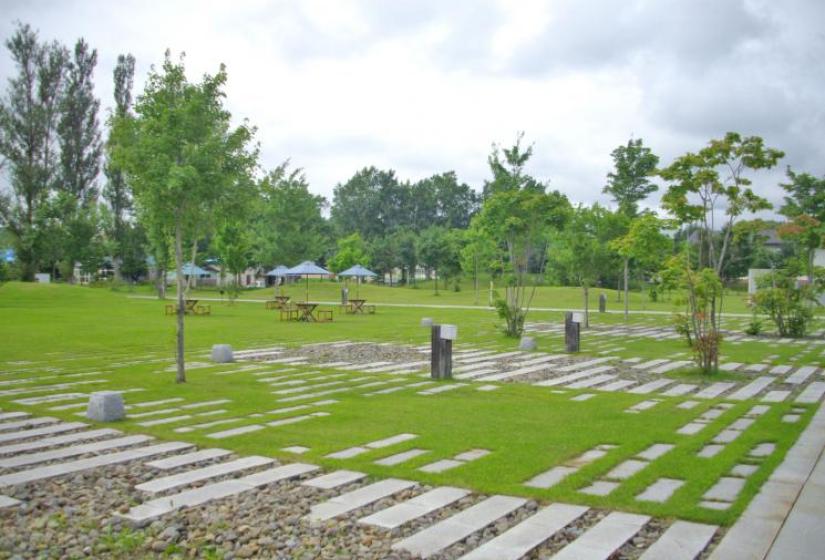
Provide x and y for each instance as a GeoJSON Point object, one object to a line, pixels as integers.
{"type": "Point", "coordinates": [805, 205]}
{"type": "Point", "coordinates": [519, 214]}
{"type": "Point", "coordinates": [479, 254]}
{"type": "Point", "coordinates": [184, 162]}
{"type": "Point", "coordinates": [232, 244]}
{"type": "Point", "coordinates": [384, 255]}
{"type": "Point", "coordinates": [696, 191]}
{"type": "Point", "coordinates": [644, 244]}
{"type": "Point", "coordinates": [28, 121]}
{"type": "Point", "coordinates": [407, 243]}
{"type": "Point", "coordinates": [630, 182]}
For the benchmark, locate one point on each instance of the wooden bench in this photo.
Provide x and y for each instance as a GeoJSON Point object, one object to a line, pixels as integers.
{"type": "Point", "coordinates": [272, 304]}
{"type": "Point", "coordinates": [289, 314]}
{"type": "Point", "coordinates": [203, 310]}
{"type": "Point", "coordinates": [323, 315]}
{"type": "Point", "coordinates": [370, 309]}
{"type": "Point", "coordinates": [170, 309]}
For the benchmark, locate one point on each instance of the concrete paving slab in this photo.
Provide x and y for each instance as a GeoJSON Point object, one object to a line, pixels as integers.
{"type": "Point", "coordinates": [437, 537]}
{"type": "Point", "coordinates": [751, 389]}
{"type": "Point", "coordinates": [626, 469]}
{"type": "Point", "coordinates": [710, 450]}
{"type": "Point", "coordinates": [801, 375]}
{"type": "Point", "coordinates": [386, 442]}
{"type": "Point", "coordinates": [72, 451]}
{"type": "Point", "coordinates": [441, 466]}
{"type": "Point", "coordinates": [744, 470]}
{"type": "Point", "coordinates": [688, 405]}
{"type": "Point", "coordinates": [60, 469]}
{"type": "Point", "coordinates": [416, 507]}
{"type": "Point", "coordinates": [603, 539]}
{"type": "Point", "coordinates": [651, 386]}
{"type": "Point", "coordinates": [349, 501]}
{"type": "Point", "coordinates": [812, 393]}
{"type": "Point", "coordinates": [37, 432]}
{"type": "Point", "coordinates": [296, 449]}
{"type": "Point", "coordinates": [681, 541]}
{"type": "Point", "coordinates": [775, 396]}
{"type": "Point", "coordinates": [188, 458]}
{"type": "Point", "coordinates": [235, 431]}
{"type": "Point", "coordinates": [402, 457]}
{"type": "Point", "coordinates": [726, 489]}
{"type": "Point", "coordinates": [616, 385]}
{"type": "Point", "coordinates": [520, 540]}
{"type": "Point", "coordinates": [714, 390]}
{"type": "Point", "coordinates": [680, 389]}
{"type": "Point", "coordinates": [691, 428]}
{"type": "Point", "coordinates": [551, 477]}
{"type": "Point", "coordinates": [472, 455]}
{"type": "Point", "coordinates": [334, 479]}
{"type": "Point", "coordinates": [661, 490]}
{"type": "Point", "coordinates": [188, 477]}
{"type": "Point", "coordinates": [7, 502]}
{"type": "Point", "coordinates": [655, 451]}
{"type": "Point", "coordinates": [763, 450]}
{"type": "Point", "coordinates": [600, 488]}
{"type": "Point", "coordinates": [26, 423]}
{"type": "Point", "coordinates": [148, 511]}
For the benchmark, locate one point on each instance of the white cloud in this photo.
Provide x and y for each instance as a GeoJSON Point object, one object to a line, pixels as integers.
{"type": "Point", "coordinates": [427, 86]}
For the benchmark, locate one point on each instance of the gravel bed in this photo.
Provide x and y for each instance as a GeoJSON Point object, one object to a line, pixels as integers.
{"type": "Point", "coordinates": [356, 353]}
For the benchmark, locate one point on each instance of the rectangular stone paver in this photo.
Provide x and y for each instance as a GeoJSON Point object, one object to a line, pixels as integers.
{"type": "Point", "coordinates": [714, 390]}
{"type": "Point", "coordinates": [775, 396]}
{"type": "Point", "coordinates": [57, 440]}
{"type": "Point", "coordinates": [600, 488]}
{"type": "Point", "coordinates": [406, 511]}
{"type": "Point", "coordinates": [188, 458]}
{"type": "Point", "coordinates": [72, 451]}
{"type": "Point", "coordinates": [651, 386]}
{"type": "Point", "coordinates": [437, 537]}
{"type": "Point", "coordinates": [752, 388]}
{"type": "Point", "coordinates": [616, 385]}
{"type": "Point", "coordinates": [59, 469]}
{"type": "Point", "coordinates": [153, 509]}
{"type": "Point", "coordinates": [12, 426]}
{"type": "Point", "coordinates": [188, 477]}
{"type": "Point", "coordinates": [604, 538]}
{"type": "Point", "coordinates": [6, 501]}
{"type": "Point", "coordinates": [400, 457]}
{"type": "Point", "coordinates": [655, 451]}
{"type": "Point", "coordinates": [691, 428]}
{"type": "Point", "coordinates": [340, 505]}
{"type": "Point", "coordinates": [780, 370]}
{"type": "Point", "coordinates": [812, 393]}
{"type": "Point", "coordinates": [551, 477]}
{"type": "Point", "coordinates": [626, 469]}
{"type": "Point", "coordinates": [334, 479]}
{"type": "Point", "coordinates": [400, 438]}
{"type": "Point", "coordinates": [235, 431]}
{"type": "Point", "coordinates": [348, 453]}
{"type": "Point", "coordinates": [661, 490]}
{"type": "Point", "coordinates": [441, 466]}
{"type": "Point", "coordinates": [679, 390]}
{"type": "Point", "coordinates": [37, 432]}
{"type": "Point", "coordinates": [682, 541]}
{"type": "Point", "coordinates": [527, 535]}
{"type": "Point", "coordinates": [800, 375]}
{"type": "Point", "coordinates": [726, 489]}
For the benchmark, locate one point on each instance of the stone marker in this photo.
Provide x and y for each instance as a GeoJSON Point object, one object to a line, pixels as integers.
{"type": "Point", "coordinates": [105, 406]}
{"type": "Point", "coordinates": [572, 332]}
{"type": "Point", "coordinates": [528, 343]}
{"type": "Point", "coordinates": [344, 296]}
{"type": "Point", "coordinates": [426, 322]}
{"type": "Point", "coordinates": [222, 353]}
{"type": "Point", "coordinates": [602, 303]}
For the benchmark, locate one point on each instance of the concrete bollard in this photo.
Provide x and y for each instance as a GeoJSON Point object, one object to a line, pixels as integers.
{"type": "Point", "coordinates": [602, 303]}
{"type": "Point", "coordinates": [527, 343]}
{"type": "Point", "coordinates": [222, 353]}
{"type": "Point", "coordinates": [572, 331]}
{"type": "Point", "coordinates": [426, 322]}
{"type": "Point", "coordinates": [105, 406]}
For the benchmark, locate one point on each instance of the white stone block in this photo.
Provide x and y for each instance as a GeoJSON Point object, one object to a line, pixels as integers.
{"type": "Point", "coordinates": [528, 343]}
{"type": "Point", "coordinates": [105, 406]}
{"type": "Point", "coordinates": [222, 353]}
{"type": "Point", "coordinates": [426, 322]}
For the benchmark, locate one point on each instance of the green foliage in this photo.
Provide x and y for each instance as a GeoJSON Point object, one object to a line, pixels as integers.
{"type": "Point", "coordinates": [384, 254]}
{"type": "Point", "coordinates": [351, 251]}
{"type": "Point", "coordinates": [630, 182]}
{"type": "Point", "coordinates": [755, 327]}
{"type": "Point", "coordinates": [125, 541]}
{"type": "Point", "coordinates": [287, 224]}
{"type": "Point", "coordinates": [788, 303]}
{"type": "Point", "coordinates": [439, 250]}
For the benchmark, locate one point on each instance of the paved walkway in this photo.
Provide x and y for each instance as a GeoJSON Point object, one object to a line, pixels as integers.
{"type": "Point", "coordinates": [785, 521]}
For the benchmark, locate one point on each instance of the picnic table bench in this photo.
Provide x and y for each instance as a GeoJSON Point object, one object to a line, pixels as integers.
{"type": "Point", "coordinates": [355, 306]}
{"type": "Point", "coordinates": [190, 307]}
{"type": "Point", "coordinates": [278, 303]}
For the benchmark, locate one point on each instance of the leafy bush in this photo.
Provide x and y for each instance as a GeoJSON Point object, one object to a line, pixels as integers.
{"type": "Point", "coordinates": [755, 327]}
{"type": "Point", "coordinates": [788, 302]}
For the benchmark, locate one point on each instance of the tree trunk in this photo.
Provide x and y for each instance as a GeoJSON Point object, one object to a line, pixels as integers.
{"type": "Point", "coordinates": [161, 282]}
{"type": "Point", "coordinates": [626, 294]}
{"type": "Point", "coordinates": [475, 276]}
{"type": "Point", "coordinates": [435, 280]}
{"type": "Point", "coordinates": [618, 289]}
{"type": "Point", "coordinates": [586, 307]}
{"type": "Point", "coordinates": [181, 285]}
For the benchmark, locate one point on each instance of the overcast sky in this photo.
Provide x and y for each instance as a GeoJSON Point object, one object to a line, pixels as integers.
{"type": "Point", "coordinates": [427, 86]}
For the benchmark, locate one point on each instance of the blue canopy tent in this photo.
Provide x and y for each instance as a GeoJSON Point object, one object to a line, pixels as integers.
{"type": "Point", "coordinates": [278, 272]}
{"type": "Point", "coordinates": [358, 272]}
{"type": "Point", "coordinates": [307, 269]}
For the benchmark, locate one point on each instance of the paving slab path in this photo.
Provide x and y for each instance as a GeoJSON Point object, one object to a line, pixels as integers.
{"type": "Point", "coordinates": [345, 503]}
{"type": "Point", "coordinates": [416, 507]}
{"type": "Point", "coordinates": [435, 538]}
{"type": "Point", "coordinates": [603, 539]}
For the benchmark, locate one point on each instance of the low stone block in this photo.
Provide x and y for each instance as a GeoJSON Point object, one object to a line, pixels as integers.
{"type": "Point", "coordinates": [426, 322]}
{"type": "Point", "coordinates": [105, 406]}
{"type": "Point", "coordinates": [222, 353]}
{"type": "Point", "coordinates": [527, 343]}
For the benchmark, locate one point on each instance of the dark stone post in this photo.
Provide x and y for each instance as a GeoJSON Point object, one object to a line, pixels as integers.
{"type": "Point", "coordinates": [446, 359]}
{"type": "Point", "coordinates": [435, 352]}
{"type": "Point", "coordinates": [572, 332]}
{"type": "Point", "coordinates": [602, 303]}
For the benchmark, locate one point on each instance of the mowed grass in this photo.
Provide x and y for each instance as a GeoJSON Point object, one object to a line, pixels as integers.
{"type": "Point", "coordinates": [527, 429]}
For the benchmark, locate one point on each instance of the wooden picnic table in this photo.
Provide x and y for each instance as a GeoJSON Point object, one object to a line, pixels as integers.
{"type": "Point", "coordinates": [305, 311]}
{"type": "Point", "coordinates": [283, 300]}
{"type": "Point", "coordinates": [357, 305]}
{"type": "Point", "coordinates": [280, 302]}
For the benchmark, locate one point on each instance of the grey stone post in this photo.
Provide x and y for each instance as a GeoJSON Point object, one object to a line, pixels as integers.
{"type": "Point", "coordinates": [344, 296]}
{"type": "Point", "coordinates": [602, 303]}
{"type": "Point", "coordinates": [435, 352]}
{"type": "Point", "coordinates": [446, 359]}
{"type": "Point", "coordinates": [572, 333]}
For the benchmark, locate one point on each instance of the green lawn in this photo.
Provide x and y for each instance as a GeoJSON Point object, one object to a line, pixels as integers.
{"type": "Point", "coordinates": [528, 429]}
